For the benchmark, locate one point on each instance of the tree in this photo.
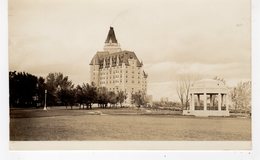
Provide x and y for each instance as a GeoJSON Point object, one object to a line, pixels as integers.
{"type": "Point", "coordinates": [67, 96]}
{"type": "Point", "coordinates": [41, 86]}
{"type": "Point", "coordinates": [219, 79]}
{"type": "Point", "coordinates": [89, 94]}
{"type": "Point", "coordinates": [79, 96]}
{"type": "Point", "coordinates": [112, 98]}
{"type": "Point", "coordinates": [102, 97]}
{"type": "Point", "coordinates": [184, 83]}
{"type": "Point", "coordinates": [121, 96]}
{"type": "Point", "coordinates": [138, 99]}
{"type": "Point", "coordinates": [241, 96]}
{"type": "Point", "coordinates": [56, 82]}
{"type": "Point", "coordinates": [22, 89]}
{"type": "Point", "coordinates": [93, 94]}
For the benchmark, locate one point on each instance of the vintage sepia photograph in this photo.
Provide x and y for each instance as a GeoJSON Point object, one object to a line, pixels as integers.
{"type": "Point", "coordinates": [94, 70]}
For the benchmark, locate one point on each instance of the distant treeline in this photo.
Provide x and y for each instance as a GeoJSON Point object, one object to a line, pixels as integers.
{"type": "Point", "coordinates": [27, 90]}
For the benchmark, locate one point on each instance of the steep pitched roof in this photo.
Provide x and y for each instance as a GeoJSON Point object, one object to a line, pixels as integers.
{"type": "Point", "coordinates": [123, 57]}
{"type": "Point", "coordinates": [111, 36]}
{"type": "Point", "coordinates": [145, 74]}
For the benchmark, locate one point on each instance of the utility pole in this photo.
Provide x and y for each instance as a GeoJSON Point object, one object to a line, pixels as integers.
{"type": "Point", "coordinates": [45, 98]}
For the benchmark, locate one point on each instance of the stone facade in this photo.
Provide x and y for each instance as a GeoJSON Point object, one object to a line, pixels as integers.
{"type": "Point", "coordinates": [118, 70]}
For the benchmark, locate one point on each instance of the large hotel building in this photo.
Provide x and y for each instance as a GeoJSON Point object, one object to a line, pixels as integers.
{"type": "Point", "coordinates": [117, 69]}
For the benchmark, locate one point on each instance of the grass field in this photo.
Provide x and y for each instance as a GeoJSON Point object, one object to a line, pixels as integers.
{"type": "Point", "coordinates": [123, 124]}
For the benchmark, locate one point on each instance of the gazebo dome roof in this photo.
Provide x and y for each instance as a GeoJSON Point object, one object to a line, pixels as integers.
{"type": "Point", "coordinates": [208, 83]}
{"type": "Point", "coordinates": [208, 86]}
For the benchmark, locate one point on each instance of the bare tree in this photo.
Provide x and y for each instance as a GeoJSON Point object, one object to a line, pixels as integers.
{"type": "Point", "coordinates": [184, 83]}
{"type": "Point", "coordinates": [219, 79]}
{"type": "Point", "coordinates": [241, 96]}
{"type": "Point", "coordinates": [181, 91]}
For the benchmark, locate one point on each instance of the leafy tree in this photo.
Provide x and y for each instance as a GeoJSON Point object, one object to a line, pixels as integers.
{"type": "Point", "coordinates": [55, 82]}
{"type": "Point", "coordinates": [22, 89]}
{"type": "Point", "coordinates": [102, 97]}
{"type": "Point", "coordinates": [112, 98]}
{"type": "Point", "coordinates": [89, 94]}
{"type": "Point", "coordinates": [67, 97]}
{"type": "Point", "coordinates": [138, 99]}
{"type": "Point", "coordinates": [79, 96]}
{"type": "Point", "coordinates": [41, 86]}
{"type": "Point", "coordinates": [121, 97]}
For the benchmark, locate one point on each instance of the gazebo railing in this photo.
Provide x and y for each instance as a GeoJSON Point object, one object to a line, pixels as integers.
{"type": "Point", "coordinates": [199, 107]}
{"type": "Point", "coordinates": [223, 108]}
{"type": "Point", "coordinates": [212, 108]}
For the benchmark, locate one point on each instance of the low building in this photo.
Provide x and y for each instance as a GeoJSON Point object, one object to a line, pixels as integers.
{"type": "Point", "coordinates": [208, 97]}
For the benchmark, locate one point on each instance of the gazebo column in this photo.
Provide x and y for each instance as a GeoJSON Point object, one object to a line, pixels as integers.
{"type": "Point", "coordinates": [210, 100]}
{"type": "Point", "coordinates": [227, 109]}
{"type": "Point", "coordinates": [190, 96]}
{"type": "Point", "coordinates": [198, 100]}
{"type": "Point", "coordinates": [219, 102]}
{"type": "Point", "coordinates": [205, 101]}
{"type": "Point", "coordinates": [226, 102]}
{"type": "Point", "coordinates": [222, 100]}
{"type": "Point", "coordinates": [192, 102]}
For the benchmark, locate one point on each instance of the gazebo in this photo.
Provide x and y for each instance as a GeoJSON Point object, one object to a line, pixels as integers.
{"type": "Point", "coordinates": [208, 97]}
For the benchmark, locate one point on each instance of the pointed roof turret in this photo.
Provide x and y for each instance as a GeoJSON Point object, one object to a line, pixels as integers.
{"type": "Point", "coordinates": [111, 37]}
{"type": "Point", "coordinates": [111, 44]}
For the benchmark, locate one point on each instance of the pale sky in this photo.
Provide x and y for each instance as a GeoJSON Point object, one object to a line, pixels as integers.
{"type": "Point", "coordinates": [171, 37]}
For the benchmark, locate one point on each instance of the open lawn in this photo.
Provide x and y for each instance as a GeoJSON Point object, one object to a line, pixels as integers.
{"type": "Point", "coordinates": [123, 124]}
